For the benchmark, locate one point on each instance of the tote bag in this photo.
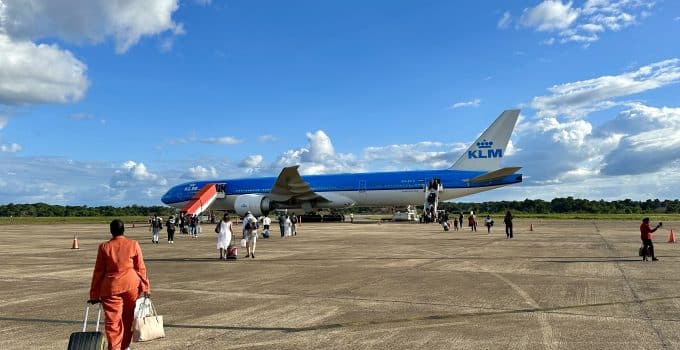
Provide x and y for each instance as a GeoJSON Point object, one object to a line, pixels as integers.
{"type": "Point", "coordinates": [149, 327]}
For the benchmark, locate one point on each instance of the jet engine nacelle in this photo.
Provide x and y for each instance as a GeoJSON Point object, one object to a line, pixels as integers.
{"type": "Point", "coordinates": [254, 203]}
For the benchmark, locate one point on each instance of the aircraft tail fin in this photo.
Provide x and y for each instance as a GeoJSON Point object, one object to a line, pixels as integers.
{"type": "Point", "coordinates": [488, 150]}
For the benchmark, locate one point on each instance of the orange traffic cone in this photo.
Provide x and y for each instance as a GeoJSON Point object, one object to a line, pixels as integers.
{"type": "Point", "coordinates": [531, 227]}
{"type": "Point", "coordinates": [74, 245]}
{"type": "Point", "coordinates": [671, 237]}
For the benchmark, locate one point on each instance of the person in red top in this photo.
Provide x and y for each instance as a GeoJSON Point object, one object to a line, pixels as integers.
{"type": "Point", "coordinates": [118, 279]}
{"type": "Point", "coordinates": [646, 237]}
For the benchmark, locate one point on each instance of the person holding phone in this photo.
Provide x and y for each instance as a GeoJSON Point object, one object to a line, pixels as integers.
{"type": "Point", "coordinates": [646, 236]}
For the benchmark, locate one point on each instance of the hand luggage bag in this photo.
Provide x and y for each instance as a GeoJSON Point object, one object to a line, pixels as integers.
{"type": "Point", "coordinates": [265, 233]}
{"type": "Point", "coordinates": [231, 252]}
{"type": "Point", "coordinates": [88, 340]}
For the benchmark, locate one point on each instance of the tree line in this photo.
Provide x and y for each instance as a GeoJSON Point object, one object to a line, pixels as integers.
{"type": "Point", "coordinates": [569, 205]}
{"type": "Point", "coordinates": [48, 210]}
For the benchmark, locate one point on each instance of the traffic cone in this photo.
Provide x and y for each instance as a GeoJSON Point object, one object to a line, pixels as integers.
{"type": "Point", "coordinates": [74, 245]}
{"type": "Point", "coordinates": [531, 227]}
{"type": "Point", "coordinates": [671, 237]}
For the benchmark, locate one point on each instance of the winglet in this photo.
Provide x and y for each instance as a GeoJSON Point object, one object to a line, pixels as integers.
{"type": "Point", "coordinates": [488, 150]}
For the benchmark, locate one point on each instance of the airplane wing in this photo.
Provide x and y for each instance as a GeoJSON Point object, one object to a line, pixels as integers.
{"type": "Point", "coordinates": [290, 185]}
{"type": "Point", "coordinates": [496, 174]}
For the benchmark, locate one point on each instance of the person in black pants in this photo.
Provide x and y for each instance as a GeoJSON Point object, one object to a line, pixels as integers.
{"type": "Point", "coordinates": [646, 237]}
{"type": "Point", "coordinates": [282, 221]}
{"type": "Point", "coordinates": [508, 224]}
{"type": "Point", "coordinates": [170, 226]}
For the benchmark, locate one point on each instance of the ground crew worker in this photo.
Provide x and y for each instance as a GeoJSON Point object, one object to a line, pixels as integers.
{"type": "Point", "coordinates": [646, 237]}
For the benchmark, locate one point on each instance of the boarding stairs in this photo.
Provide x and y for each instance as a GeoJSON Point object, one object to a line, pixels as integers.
{"type": "Point", "coordinates": [432, 191]}
{"type": "Point", "coordinates": [203, 199]}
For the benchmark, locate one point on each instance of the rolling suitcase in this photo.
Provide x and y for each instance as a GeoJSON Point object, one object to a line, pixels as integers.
{"type": "Point", "coordinates": [231, 252]}
{"type": "Point", "coordinates": [88, 340]}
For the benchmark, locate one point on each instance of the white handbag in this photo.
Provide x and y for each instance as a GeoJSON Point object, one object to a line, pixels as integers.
{"type": "Point", "coordinates": [149, 327]}
{"type": "Point", "coordinates": [243, 243]}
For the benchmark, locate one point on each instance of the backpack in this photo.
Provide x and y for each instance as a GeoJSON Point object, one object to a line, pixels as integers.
{"type": "Point", "coordinates": [217, 228]}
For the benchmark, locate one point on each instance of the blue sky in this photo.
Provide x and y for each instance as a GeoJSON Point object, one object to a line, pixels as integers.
{"type": "Point", "coordinates": [103, 102]}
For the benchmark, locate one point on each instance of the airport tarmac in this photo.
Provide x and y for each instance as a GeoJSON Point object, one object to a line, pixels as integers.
{"type": "Point", "coordinates": [566, 285]}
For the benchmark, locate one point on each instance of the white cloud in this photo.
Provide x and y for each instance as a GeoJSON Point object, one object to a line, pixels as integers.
{"type": "Point", "coordinates": [472, 103]}
{"type": "Point", "coordinates": [318, 158]}
{"type": "Point", "coordinates": [39, 73]}
{"type": "Point", "coordinates": [651, 140]}
{"type": "Point", "coordinates": [252, 161]}
{"type": "Point", "coordinates": [593, 28]}
{"type": "Point", "coordinates": [579, 24]}
{"type": "Point", "coordinates": [579, 98]}
{"type": "Point", "coordinates": [320, 147]}
{"type": "Point", "coordinates": [13, 148]}
{"type": "Point", "coordinates": [131, 174]}
{"type": "Point", "coordinates": [426, 154]}
{"type": "Point", "coordinates": [3, 121]}
{"type": "Point", "coordinates": [90, 21]}
{"type": "Point", "coordinates": [267, 138]}
{"type": "Point", "coordinates": [199, 172]}
{"type": "Point", "coordinates": [550, 15]}
{"type": "Point", "coordinates": [505, 20]}
{"type": "Point", "coordinates": [223, 140]}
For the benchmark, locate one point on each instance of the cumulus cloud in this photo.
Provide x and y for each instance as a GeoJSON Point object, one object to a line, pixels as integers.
{"type": "Point", "coordinates": [318, 157]}
{"type": "Point", "coordinates": [90, 21]}
{"type": "Point", "coordinates": [550, 15]}
{"type": "Point", "coordinates": [252, 161]}
{"type": "Point", "coordinates": [505, 20]}
{"type": "Point", "coordinates": [13, 148]}
{"type": "Point", "coordinates": [580, 24]}
{"type": "Point", "coordinates": [199, 172]}
{"type": "Point", "coordinates": [638, 139]}
{"type": "Point", "coordinates": [577, 99]}
{"type": "Point", "coordinates": [651, 140]}
{"type": "Point", "coordinates": [39, 73]}
{"type": "Point", "coordinates": [132, 173]}
{"type": "Point", "coordinates": [472, 103]}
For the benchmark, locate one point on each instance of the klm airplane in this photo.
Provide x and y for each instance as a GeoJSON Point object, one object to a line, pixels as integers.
{"type": "Point", "coordinates": [477, 170]}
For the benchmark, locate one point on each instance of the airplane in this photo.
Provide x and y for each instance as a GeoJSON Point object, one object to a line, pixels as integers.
{"type": "Point", "coordinates": [477, 170]}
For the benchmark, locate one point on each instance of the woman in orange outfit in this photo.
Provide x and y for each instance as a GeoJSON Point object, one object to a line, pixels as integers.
{"type": "Point", "coordinates": [118, 279]}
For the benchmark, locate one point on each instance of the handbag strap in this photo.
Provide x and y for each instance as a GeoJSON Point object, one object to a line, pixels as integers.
{"type": "Point", "coordinates": [152, 306]}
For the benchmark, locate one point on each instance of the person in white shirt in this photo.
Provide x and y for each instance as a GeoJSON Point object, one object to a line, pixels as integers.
{"type": "Point", "coordinates": [266, 222]}
{"type": "Point", "coordinates": [250, 234]}
{"type": "Point", "coordinates": [288, 226]}
{"type": "Point", "coordinates": [224, 236]}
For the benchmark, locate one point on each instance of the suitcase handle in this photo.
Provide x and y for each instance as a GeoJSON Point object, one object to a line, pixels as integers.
{"type": "Point", "coordinates": [87, 313]}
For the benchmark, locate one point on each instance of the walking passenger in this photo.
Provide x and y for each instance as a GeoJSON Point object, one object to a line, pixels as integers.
{"type": "Point", "coordinates": [288, 226]}
{"type": "Point", "coordinates": [282, 224]}
{"type": "Point", "coordinates": [170, 226]}
{"type": "Point", "coordinates": [455, 224]}
{"type": "Point", "coordinates": [488, 222]}
{"type": "Point", "coordinates": [224, 235]}
{"type": "Point", "coordinates": [155, 228]}
{"type": "Point", "coordinates": [250, 235]}
{"type": "Point", "coordinates": [119, 277]}
{"type": "Point", "coordinates": [508, 224]}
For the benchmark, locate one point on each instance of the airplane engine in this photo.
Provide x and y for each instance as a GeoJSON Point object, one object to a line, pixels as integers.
{"type": "Point", "coordinates": [254, 203]}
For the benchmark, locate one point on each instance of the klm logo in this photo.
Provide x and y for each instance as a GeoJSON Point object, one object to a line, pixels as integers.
{"type": "Point", "coordinates": [485, 151]}
{"type": "Point", "coordinates": [191, 188]}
